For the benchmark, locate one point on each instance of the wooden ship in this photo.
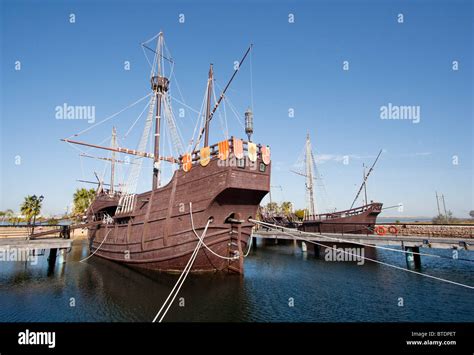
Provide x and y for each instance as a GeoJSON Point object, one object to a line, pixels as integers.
{"type": "Point", "coordinates": [356, 220]}
{"type": "Point", "coordinates": [216, 187]}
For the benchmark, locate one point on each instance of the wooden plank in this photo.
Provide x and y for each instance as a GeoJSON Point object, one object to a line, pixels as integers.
{"type": "Point", "coordinates": [46, 243]}
{"type": "Point", "coordinates": [416, 240]}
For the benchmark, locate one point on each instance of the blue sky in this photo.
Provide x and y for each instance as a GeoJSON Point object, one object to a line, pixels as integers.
{"type": "Point", "coordinates": [295, 66]}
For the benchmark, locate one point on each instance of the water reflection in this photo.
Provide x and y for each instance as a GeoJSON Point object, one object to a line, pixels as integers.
{"type": "Point", "coordinates": [99, 290]}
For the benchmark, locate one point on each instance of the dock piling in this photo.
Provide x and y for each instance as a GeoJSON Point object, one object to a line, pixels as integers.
{"type": "Point", "coordinates": [413, 260]}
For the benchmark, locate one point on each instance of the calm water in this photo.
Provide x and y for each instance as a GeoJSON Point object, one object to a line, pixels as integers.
{"type": "Point", "coordinates": [322, 291]}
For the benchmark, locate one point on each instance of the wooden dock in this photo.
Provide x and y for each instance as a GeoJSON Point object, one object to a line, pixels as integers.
{"type": "Point", "coordinates": [410, 244]}
{"type": "Point", "coordinates": [33, 246]}
{"type": "Point", "coordinates": [40, 243]}
{"type": "Point", "coordinates": [372, 239]}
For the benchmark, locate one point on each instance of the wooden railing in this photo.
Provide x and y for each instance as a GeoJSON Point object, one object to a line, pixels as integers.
{"type": "Point", "coordinates": [346, 213]}
{"type": "Point", "coordinates": [214, 150]}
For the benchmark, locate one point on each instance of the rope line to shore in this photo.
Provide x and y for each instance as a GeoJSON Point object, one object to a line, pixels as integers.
{"type": "Point", "coordinates": [250, 244]}
{"type": "Point", "coordinates": [353, 242]}
{"type": "Point", "coordinates": [103, 240]}
{"type": "Point", "coordinates": [201, 239]}
{"type": "Point", "coordinates": [181, 278]}
{"type": "Point", "coordinates": [275, 227]}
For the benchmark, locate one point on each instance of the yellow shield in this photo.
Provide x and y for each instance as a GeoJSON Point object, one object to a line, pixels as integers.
{"type": "Point", "coordinates": [187, 162]}
{"type": "Point", "coordinates": [205, 156]}
{"type": "Point", "coordinates": [252, 150]}
{"type": "Point", "coordinates": [223, 150]}
{"type": "Point", "coordinates": [238, 146]}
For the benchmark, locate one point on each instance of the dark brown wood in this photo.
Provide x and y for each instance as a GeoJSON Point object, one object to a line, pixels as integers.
{"type": "Point", "coordinates": [153, 230]}
{"type": "Point", "coordinates": [360, 220]}
{"type": "Point", "coordinates": [216, 191]}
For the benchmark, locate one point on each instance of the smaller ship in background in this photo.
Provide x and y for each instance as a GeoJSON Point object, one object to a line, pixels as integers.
{"type": "Point", "coordinates": [356, 220]}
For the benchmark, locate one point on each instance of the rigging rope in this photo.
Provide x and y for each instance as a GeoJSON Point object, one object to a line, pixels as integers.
{"type": "Point", "coordinates": [138, 118]}
{"type": "Point", "coordinates": [234, 111]}
{"type": "Point", "coordinates": [132, 181]}
{"type": "Point", "coordinates": [110, 117]}
{"type": "Point", "coordinates": [172, 129]}
{"type": "Point", "coordinates": [251, 81]}
{"type": "Point", "coordinates": [185, 105]}
{"type": "Point", "coordinates": [200, 121]}
{"type": "Point", "coordinates": [223, 122]}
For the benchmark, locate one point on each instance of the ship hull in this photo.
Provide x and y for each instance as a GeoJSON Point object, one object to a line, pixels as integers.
{"type": "Point", "coordinates": [360, 220]}
{"type": "Point", "coordinates": [158, 234]}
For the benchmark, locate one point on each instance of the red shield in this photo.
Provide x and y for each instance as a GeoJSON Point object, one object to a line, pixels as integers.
{"type": "Point", "coordinates": [187, 162]}
{"type": "Point", "coordinates": [266, 154]}
{"type": "Point", "coordinates": [223, 150]}
{"type": "Point", "coordinates": [238, 148]}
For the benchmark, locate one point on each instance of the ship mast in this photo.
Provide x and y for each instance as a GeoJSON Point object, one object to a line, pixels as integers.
{"type": "Point", "coordinates": [112, 160]}
{"type": "Point", "coordinates": [365, 185]}
{"type": "Point", "coordinates": [221, 97]}
{"type": "Point", "coordinates": [208, 107]}
{"type": "Point", "coordinates": [159, 85]}
{"type": "Point", "coordinates": [309, 178]}
{"type": "Point", "coordinates": [365, 179]}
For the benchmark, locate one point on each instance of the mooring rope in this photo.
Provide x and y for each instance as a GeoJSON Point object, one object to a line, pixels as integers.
{"type": "Point", "coordinates": [201, 239]}
{"type": "Point", "coordinates": [365, 258]}
{"type": "Point", "coordinates": [250, 244]}
{"type": "Point", "coordinates": [103, 240]}
{"type": "Point", "coordinates": [181, 278]}
{"type": "Point", "coordinates": [350, 241]}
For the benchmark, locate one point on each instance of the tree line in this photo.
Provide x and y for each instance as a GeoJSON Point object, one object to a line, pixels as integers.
{"type": "Point", "coordinates": [30, 209]}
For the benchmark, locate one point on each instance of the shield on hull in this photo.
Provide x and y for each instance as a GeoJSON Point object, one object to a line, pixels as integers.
{"type": "Point", "coordinates": [223, 150]}
{"type": "Point", "coordinates": [252, 150]}
{"type": "Point", "coordinates": [187, 162]}
{"type": "Point", "coordinates": [266, 155]}
{"type": "Point", "coordinates": [238, 148]}
{"type": "Point", "coordinates": [205, 154]}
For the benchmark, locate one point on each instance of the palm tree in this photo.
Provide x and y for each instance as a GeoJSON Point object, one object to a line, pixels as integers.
{"type": "Point", "coordinates": [300, 214]}
{"type": "Point", "coordinates": [7, 214]}
{"type": "Point", "coordinates": [30, 208]}
{"type": "Point", "coordinates": [82, 199]}
{"type": "Point", "coordinates": [287, 208]}
{"type": "Point", "coordinates": [272, 207]}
